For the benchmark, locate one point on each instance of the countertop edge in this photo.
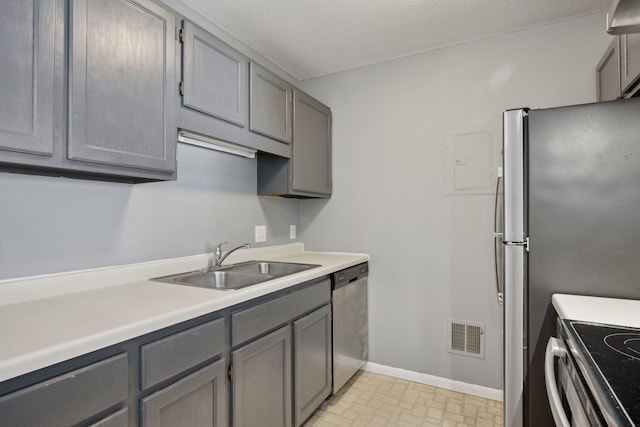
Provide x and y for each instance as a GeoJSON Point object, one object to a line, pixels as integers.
{"type": "Point", "coordinates": [610, 311]}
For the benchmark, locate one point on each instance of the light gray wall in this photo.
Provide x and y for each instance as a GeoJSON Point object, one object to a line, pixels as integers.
{"type": "Point", "coordinates": [432, 254]}
{"type": "Point", "coordinates": [57, 224]}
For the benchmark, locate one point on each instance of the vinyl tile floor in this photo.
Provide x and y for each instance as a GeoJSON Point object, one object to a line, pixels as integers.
{"type": "Point", "coordinates": [373, 400]}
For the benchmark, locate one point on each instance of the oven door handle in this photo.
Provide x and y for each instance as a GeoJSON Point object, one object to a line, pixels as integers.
{"type": "Point", "coordinates": [554, 349]}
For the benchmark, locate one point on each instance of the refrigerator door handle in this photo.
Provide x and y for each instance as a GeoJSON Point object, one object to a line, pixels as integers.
{"type": "Point", "coordinates": [497, 241]}
{"type": "Point", "coordinates": [497, 248]}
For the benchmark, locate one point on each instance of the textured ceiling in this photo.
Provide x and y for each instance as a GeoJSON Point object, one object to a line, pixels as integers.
{"type": "Point", "coordinates": [310, 38]}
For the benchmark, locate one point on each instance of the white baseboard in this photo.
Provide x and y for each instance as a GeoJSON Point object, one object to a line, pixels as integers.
{"type": "Point", "coordinates": [432, 380]}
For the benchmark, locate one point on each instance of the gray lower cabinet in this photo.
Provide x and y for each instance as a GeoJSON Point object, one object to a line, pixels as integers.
{"type": "Point", "coordinates": [27, 76]}
{"type": "Point", "coordinates": [121, 74]}
{"type": "Point", "coordinates": [270, 104]}
{"type": "Point", "coordinates": [264, 373]}
{"type": "Point", "coordinates": [197, 400]}
{"type": "Point", "coordinates": [312, 362]}
{"type": "Point", "coordinates": [308, 172]}
{"type": "Point", "coordinates": [71, 398]}
{"type": "Point", "coordinates": [168, 357]}
{"type": "Point", "coordinates": [608, 73]}
{"type": "Point", "coordinates": [262, 381]}
{"type": "Point", "coordinates": [280, 372]}
{"type": "Point", "coordinates": [117, 419]}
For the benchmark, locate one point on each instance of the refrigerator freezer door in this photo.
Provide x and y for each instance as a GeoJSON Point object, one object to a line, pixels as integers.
{"type": "Point", "coordinates": [514, 350]}
{"type": "Point", "coordinates": [514, 173]}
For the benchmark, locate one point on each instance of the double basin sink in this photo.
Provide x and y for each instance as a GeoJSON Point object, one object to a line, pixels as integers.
{"type": "Point", "coordinates": [236, 276]}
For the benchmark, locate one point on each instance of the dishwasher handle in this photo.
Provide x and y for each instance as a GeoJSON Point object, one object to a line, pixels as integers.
{"type": "Point", "coordinates": [554, 349]}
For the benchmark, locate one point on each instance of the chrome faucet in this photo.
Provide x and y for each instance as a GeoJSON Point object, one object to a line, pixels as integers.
{"type": "Point", "coordinates": [218, 252]}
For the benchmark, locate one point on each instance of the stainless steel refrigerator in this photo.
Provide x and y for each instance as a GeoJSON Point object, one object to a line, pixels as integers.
{"type": "Point", "coordinates": [571, 224]}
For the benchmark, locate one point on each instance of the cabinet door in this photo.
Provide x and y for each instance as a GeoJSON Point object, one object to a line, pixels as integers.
{"type": "Point", "coordinates": [194, 401]}
{"type": "Point", "coordinates": [608, 73]}
{"type": "Point", "coordinates": [630, 60]}
{"type": "Point", "coordinates": [312, 365]}
{"type": "Point", "coordinates": [215, 77]}
{"type": "Point", "coordinates": [270, 104]}
{"type": "Point", "coordinates": [262, 381]}
{"type": "Point", "coordinates": [121, 78]}
{"type": "Point", "coordinates": [27, 75]}
{"type": "Point", "coordinates": [311, 158]}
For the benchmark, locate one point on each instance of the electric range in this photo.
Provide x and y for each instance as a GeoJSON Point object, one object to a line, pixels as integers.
{"type": "Point", "coordinates": [607, 359]}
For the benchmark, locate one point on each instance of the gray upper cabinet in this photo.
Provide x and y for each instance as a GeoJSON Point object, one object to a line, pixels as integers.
{"type": "Point", "coordinates": [311, 159]}
{"type": "Point", "coordinates": [308, 173]}
{"type": "Point", "coordinates": [27, 76]}
{"type": "Point", "coordinates": [118, 58]}
{"type": "Point", "coordinates": [215, 77]}
{"type": "Point", "coordinates": [121, 74]}
{"type": "Point", "coordinates": [213, 99]}
{"type": "Point", "coordinates": [608, 73]}
{"type": "Point", "coordinates": [270, 104]}
{"type": "Point", "coordinates": [629, 61]}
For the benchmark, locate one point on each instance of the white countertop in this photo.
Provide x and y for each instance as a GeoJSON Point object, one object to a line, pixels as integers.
{"type": "Point", "coordinates": [611, 311]}
{"type": "Point", "coordinates": [48, 319]}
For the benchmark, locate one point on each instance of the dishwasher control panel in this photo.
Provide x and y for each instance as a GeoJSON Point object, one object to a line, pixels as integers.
{"type": "Point", "coordinates": [350, 274]}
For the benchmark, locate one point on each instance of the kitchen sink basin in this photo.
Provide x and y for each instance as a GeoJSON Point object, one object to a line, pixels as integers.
{"type": "Point", "coordinates": [269, 267]}
{"type": "Point", "coordinates": [236, 276]}
{"type": "Point", "coordinates": [217, 279]}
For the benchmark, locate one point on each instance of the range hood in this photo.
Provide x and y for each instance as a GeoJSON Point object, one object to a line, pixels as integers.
{"type": "Point", "coordinates": [624, 17]}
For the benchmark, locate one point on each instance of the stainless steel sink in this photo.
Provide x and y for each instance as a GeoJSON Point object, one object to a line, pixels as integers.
{"type": "Point", "coordinates": [217, 279]}
{"type": "Point", "coordinates": [269, 267]}
{"type": "Point", "coordinates": [236, 276]}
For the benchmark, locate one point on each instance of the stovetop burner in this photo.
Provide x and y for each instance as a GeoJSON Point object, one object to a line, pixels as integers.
{"type": "Point", "coordinates": [627, 344]}
{"type": "Point", "coordinates": [615, 351]}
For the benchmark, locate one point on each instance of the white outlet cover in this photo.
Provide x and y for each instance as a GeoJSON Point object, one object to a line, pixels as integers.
{"type": "Point", "coordinates": [261, 233]}
{"type": "Point", "coordinates": [292, 232]}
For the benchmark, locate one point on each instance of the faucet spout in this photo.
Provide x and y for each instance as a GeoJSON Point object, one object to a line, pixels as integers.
{"type": "Point", "coordinates": [219, 258]}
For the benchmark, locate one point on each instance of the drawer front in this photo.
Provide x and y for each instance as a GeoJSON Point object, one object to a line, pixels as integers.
{"type": "Point", "coordinates": [118, 419]}
{"type": "Point", "coordinates": [70, 398]}
{"type": "Point", "coordinates": [174, 354]}
{"type": "Point", "coordinates": [249, 323]}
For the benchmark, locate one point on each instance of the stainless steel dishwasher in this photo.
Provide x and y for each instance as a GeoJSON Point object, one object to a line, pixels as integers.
{"type": "Point", "coordinates": [350, 322]}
